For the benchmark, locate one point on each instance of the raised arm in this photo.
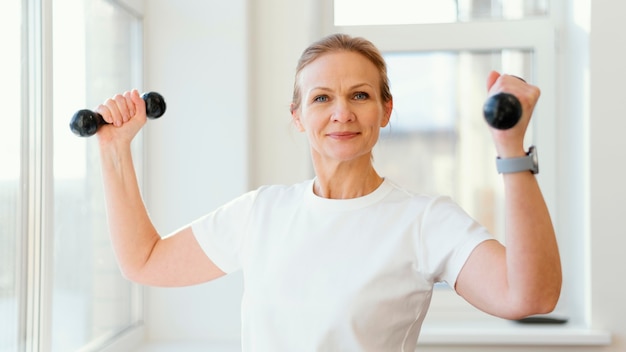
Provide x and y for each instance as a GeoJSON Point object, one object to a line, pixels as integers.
{"type": "Point", "coordinates": [525, 277]}
{"type": "Point", "coordinates": [143, 256]}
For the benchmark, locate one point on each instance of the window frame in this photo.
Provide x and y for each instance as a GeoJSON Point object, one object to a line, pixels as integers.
{"type": "Point", "coordinates": [36, 256]}
{"type": "Point", "coordinates": [36, 246]}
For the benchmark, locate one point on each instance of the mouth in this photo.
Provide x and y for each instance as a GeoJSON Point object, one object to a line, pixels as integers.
{"type": "Point", "coordinates": [343, 135]}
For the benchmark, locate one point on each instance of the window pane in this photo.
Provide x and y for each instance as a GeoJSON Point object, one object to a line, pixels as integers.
{"type": "Point", "coordinates": [91, 300]}
{"type": "Point", "coordinates": [376, 12]}
{"type": "Point", "coordinates": [437, 141]}
{"type": "Point", "coordinates": [10, 165]}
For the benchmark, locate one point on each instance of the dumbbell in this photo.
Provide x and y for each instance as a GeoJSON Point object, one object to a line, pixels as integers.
{"type": "Point", "coordinates": [502, 111]}
{"type": "Point", "coordinates": [85, 122]}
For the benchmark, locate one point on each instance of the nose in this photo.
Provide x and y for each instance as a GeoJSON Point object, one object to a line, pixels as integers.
{"type": "Point", "coordinates": [342, 113]}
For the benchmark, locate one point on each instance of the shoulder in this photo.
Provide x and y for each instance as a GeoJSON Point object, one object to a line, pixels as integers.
{"type": "Point", "coordinates": [399, 193]}
{"type": "Point", "coordinates": [432, 211]}
{"type": "Point", "coordinates": [431, 199]}
{"type": "Point", "coordinates": [270, 192]}
{"type": "Point", "coordinates": [276, 190]}
{"type": "Point", "coordinates": [270, 195]}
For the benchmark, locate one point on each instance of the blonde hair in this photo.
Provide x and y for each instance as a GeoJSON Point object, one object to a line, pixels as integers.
{"type": "Point", "coordinates": [337, 43]}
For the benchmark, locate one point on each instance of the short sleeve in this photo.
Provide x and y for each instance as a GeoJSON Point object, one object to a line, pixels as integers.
{"type": "Point", "coordinates": [221, 232]}
{"type": "Point", "coordinates": [448, 236]}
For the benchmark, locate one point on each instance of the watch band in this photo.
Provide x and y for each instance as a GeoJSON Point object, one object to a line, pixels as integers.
{"type": "Point", "coordinates": [524, 163]}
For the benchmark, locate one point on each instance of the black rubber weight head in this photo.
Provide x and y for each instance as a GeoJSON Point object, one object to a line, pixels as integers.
{"type": "Point", "coordinates": [155, 104]}
{"type": "Point", "coordinates": [502, 111]}
{"type": "Point", "coordinates": [84, 123]}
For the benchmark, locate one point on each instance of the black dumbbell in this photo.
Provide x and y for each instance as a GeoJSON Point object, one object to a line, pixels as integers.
{"type": "Point", "coordinates": [85, 122]}
{"type": "Point", "coordinates": [502, 111]}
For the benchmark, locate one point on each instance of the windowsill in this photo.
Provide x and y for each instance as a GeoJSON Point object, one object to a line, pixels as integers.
{"type": "Point", "coordinates": [194, 346]}
{"type": "Point", "coordinates": [513, 334]}
{"type": "Point", "coordinates": [484, 335]}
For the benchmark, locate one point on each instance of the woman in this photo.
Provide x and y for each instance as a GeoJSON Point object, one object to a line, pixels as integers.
{"type": "Point", "coordinates": [346, 261]}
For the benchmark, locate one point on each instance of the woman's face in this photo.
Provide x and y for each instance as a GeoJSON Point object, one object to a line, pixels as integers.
{"type": "Point", "coordinates": [342, 110]}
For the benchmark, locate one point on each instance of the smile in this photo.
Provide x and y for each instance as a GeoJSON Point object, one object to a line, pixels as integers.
{"type": "Point", "coordinates": [343, 135]}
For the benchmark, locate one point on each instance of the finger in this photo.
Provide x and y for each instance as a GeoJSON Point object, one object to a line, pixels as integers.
{"type": "Point", "coordinates": [132, 110]}
{"type": "Point", "coordinates": [115, 115]}
{"type": "Point", "coordinates": [138, 102]}
{"type": "Point", "coordinates": [520, 78]}
{"type": "Point", "coordinates": [111, 107]}
{"type": "Point", "coordinates": [122, 106]}
{"type": "Point", "coordinates": [491, 79]}
{"type": "Point", "coordinates": [104, 111]}
{"type": "Point", "coordinates": [527, 93]}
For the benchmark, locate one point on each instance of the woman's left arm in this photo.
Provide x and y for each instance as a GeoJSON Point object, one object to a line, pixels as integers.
{"type": "Point", "coordinates": [523, 278]}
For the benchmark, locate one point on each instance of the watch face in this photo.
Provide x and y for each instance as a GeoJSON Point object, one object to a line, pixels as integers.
{"type": "Point", "coordinates": [532, 151]}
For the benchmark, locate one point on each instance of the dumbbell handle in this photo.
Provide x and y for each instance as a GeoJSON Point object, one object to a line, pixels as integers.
{"type": "Point", "coordinates": [85, 122]}
{"type": "Point", "coordinates": [502, 111]}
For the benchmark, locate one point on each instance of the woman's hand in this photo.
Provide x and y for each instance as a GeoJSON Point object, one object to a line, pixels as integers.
{"type": "Point", "coordinates": [510, 143]}
{"type": "Point", "coordinates": [126, 115]}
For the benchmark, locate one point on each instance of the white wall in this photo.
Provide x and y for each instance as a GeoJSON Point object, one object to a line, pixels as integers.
{"type": "Point", "coordinates": [196, 55]}
{"type": "Point", "coordinates": [280, 32]}
{"type": "Point", "coordinates": [607, 171]}
{"type": "Point", "coordinates": [226, 70]}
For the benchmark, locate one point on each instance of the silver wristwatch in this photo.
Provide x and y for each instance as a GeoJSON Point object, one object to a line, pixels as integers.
{"type": "Point", "coordinates": [524, 163]}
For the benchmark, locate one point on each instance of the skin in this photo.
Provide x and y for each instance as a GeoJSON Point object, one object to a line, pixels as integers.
{"type": "Point", "coordinates": [143, 256]}
{"type": "Point", "coordinates": [341, 114]}
{"type": "Point", "coordinates": [525, 277]}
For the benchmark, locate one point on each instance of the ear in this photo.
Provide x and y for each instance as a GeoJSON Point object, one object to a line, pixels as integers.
{"type": "Point", "coordinates": [295, 116]}
{"type": "Point", "coordinates": [388, 106]}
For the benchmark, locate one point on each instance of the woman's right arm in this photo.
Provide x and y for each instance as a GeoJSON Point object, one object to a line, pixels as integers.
{"type": "Point", "coordinates": [143, 256]}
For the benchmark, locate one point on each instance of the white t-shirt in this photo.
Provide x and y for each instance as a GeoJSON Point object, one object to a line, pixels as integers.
{"type": "Point", "coordinates": [337, 275]}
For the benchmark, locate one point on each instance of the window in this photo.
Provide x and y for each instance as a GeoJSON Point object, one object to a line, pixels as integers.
{"type": "Point", "coordinates": [60, 287]}
{"type": "Point", "coordinates": [91, 301]}
{"type": "Point", "coordinates": [437, 142]}
{"type": "Point", "coordinates": [10, 173]}
{"type": "Point", "coordinates": [438, 59]}
{"type": "Point", "coordinates": [373, 12]}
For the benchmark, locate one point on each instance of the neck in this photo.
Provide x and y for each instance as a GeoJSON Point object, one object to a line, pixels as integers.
{"type": "Point", "coordinates": [346, 180]}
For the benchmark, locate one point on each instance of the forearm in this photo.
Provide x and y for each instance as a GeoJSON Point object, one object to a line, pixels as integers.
{"type": "Point", "coordinates": [533, 261]}
{"type": "Point", "coordinates": [132, 234]}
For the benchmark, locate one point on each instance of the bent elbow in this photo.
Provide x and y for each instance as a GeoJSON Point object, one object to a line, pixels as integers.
{"type": "Point", "coordinates": [535, 304]}
{"type": "Point", "coordinates": [129, 275]}
{"type": "Point", "coordinates": [132, 275]}
{"type": "Point", "coordinates": [543, 307]}
{"type": "Point", "coordinates": [525, 312]}
{"type": "Point", "coordinates": [542, 299]}
{"type": "Point", "coordinates": [547, 305]}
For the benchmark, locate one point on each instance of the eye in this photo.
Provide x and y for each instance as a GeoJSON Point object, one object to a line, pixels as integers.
{"type": "Point", "coordinates": [320, 98]}
{"type": "Point", "coordinates": [361, 96]}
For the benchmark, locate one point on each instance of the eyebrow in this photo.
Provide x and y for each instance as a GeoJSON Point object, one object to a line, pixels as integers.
{"type": "Point", "coordinates": [356, 86]}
